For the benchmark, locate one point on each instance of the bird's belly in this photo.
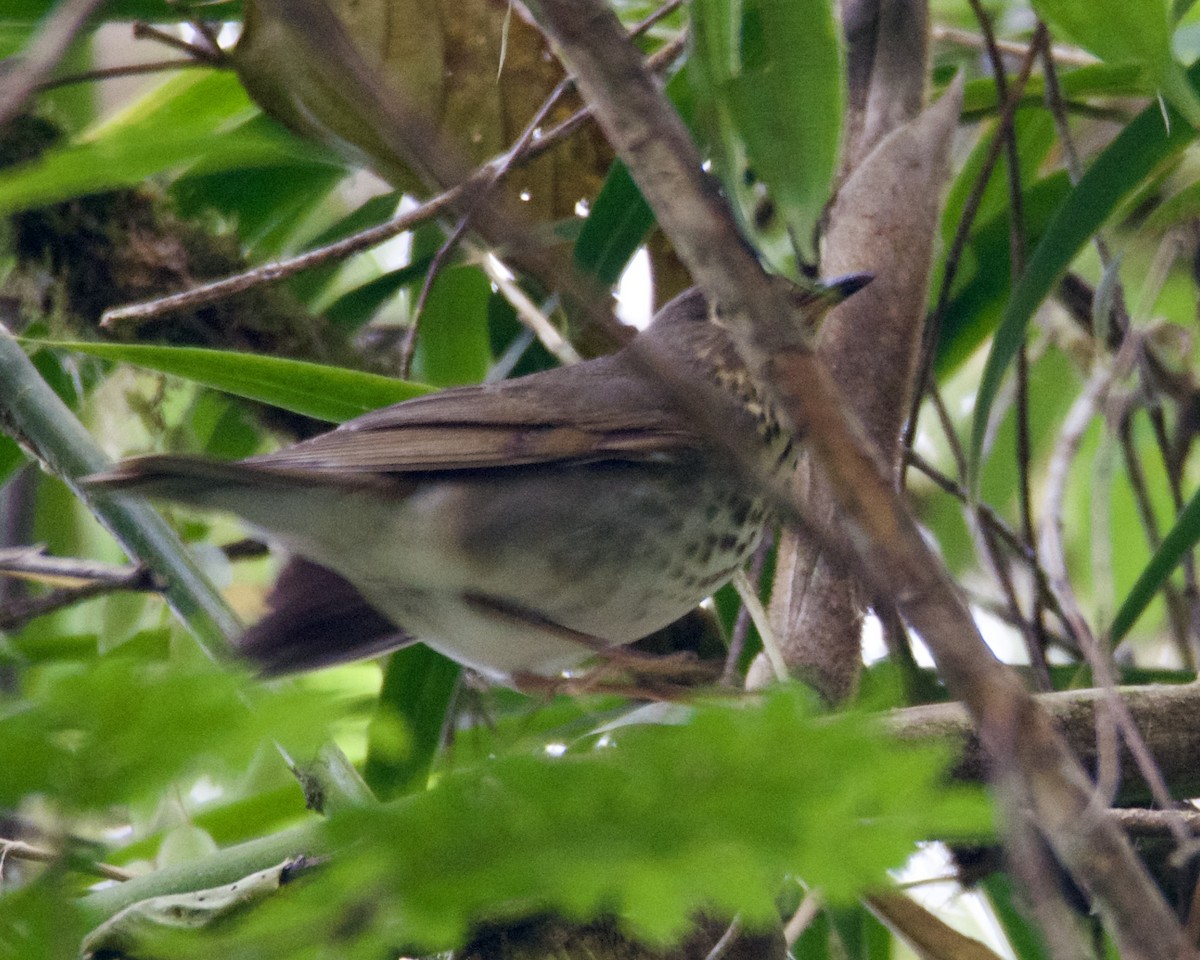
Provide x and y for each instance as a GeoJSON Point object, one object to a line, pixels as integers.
{"type": "Point", "coordinates": [534, 573]}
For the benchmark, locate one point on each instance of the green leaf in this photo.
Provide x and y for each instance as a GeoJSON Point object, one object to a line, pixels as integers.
{"type": "Point", "coordinates": [269, 205]}
{"type": "Point", "coordinates": [620, 218]}
{"type": "Point", "coordinates": [653, 824]}
{"type": "Point", "coordinates": [356, 307]}
{"type": "Point", "coordinates": [1096, 80]}
{"type": "Point", "coordinates": [200, 121]}
{"type": "Point", "coordinates": [983, 283]}
{"type": "Point", "coordinates": [1114, 30]}
{"type": "Point", "coordinates": [158, 11]}
{"type": "Point", "coordinates": [1116, 173]}
{"type": "Point", "coordinates": [83, 743]}
{"type": "Point", "coordinates": [311, 283]}
{"type": "Point", "coordinates": [453, 347]}
{"type": "Point", "coordinates": [1024, 938]}
{"type": "Point", "coordinates": [753, 62]}
{"type": "Point", "coordinates": [1180, 206]}
{"type": "Point", "coordinates": [40, 921]}
{"type": "Point", "coordinates": [616, 226]}
{"type": "Point", "coordinates": [1122, 31]}
{"type": "Point", "coordinates": [313, 389]}
{"type": "Point", "coordinates": [1178, 542]}
{"type": "Point", "coordinates": [409, 724]}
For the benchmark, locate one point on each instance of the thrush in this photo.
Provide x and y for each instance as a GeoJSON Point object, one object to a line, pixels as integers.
{"type": "Point", "coordinates": [517, 527]}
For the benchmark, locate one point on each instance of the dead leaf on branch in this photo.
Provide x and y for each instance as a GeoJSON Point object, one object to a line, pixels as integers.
{"type": "Point", "coordinates": [475, 69]}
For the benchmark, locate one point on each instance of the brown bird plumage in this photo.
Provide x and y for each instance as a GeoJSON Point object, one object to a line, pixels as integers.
{"type": "Point", "coordinates": [518, 526]}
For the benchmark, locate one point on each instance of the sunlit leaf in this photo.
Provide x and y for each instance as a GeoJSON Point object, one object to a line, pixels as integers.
{"type": "Point", "coordinates": [85, 743]}
{"type": "Point", "coordinates": [200, 122]}
{"type": "Point", "coordinates": [657, 822]}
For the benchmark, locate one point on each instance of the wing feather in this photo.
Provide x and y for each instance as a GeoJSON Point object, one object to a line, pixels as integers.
{"type": "Point", "coordinates": [547, 418]}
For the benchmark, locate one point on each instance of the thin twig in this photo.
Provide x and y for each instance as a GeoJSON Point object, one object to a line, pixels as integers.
{"type": "Point", "coordinates": [1036, 874]}
{"type": "Point", "coordinates": [721, 947]}
{"type": "Point", "coordinates": [1141, 822]}
{"type": "Point", "coordinates": [1034, 629]}
{"type": "Point", "coordinates": [800, 921]}
{"type": "Point", "coordinates": [998, 526]}
{"type": "Point", "coordinates": [741, 626]}
{"type": "Point", "coordinates": [114, 73]}
{"type": "Point", "coordinates": [528, 312]}
{"type": "Point", "coordinates": [34, 563]}
{"type": "Point", "coordinates": [1054, 557]}
{"type": "Point", "coordinates": [408, 346]}
{"type": "Point", "coordinates": [87, 578]}
{"type": "Point", "coordinates": [1121, 325]}
{"type": "Point", "coordinates": [1176, 604]}
{"type": "Point", "coordinates": [282, 269]}
{"type": "Point", "coordinates": [955, 251]}
{"type": "Point", "coordinates": [24, 73]}
{"type": "Point", "coordinates": [210, 54]}
{"type": "Point", "coordinates": [1055, 104]}
{"type": "Point", "coordinates": [651, 19]}
{"type": "Point", "coordinates": [948, 430]}
{"type": "Point", "coordinates": [1067, 56]}
{"type": "Point", "coordinates": [495, 173]}
{"type": "Point", "coordinates": [364, 240]}
{"type": "Point", "coordinates": [21, 850]}
{"type": "Point", "coordinates": [919, 687]}
{"type": "Point", "coordinates": [979, 516]}
{"type": "Point", "coordinates": [747, 591]}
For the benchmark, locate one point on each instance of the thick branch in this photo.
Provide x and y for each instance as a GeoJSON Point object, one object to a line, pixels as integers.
{"type": "Point", "coordinates": [1166, 715]}
{"type": "Point", "coordinates": [1018, 735]}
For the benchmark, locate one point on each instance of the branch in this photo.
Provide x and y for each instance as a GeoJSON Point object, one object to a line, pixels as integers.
{"type": "Point", "coordinates": [1166, 715]}
{"type": "Point", "coordinates": [1018, 735]}
{"type": "Point", "coordinates": [21, 75]}
{"type": "Point", "coordinates": [20, 850]}
{"type": "Point", "coordinates": [33, 414]}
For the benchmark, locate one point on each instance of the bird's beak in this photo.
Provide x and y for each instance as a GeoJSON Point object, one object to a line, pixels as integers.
{"type": "Point", "coordinates": [814, 300]}
{"type": "Point", "coordinates": [842, 288]}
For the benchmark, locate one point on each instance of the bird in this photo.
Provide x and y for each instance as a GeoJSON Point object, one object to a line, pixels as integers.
{"type": "Point", "coordinates": [518, 527]}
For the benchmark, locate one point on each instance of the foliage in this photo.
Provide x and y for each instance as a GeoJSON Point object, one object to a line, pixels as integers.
{"type": "Point", "coordinates": [118, 744]}
{"type": "Point", "coordinates": [651, 823]}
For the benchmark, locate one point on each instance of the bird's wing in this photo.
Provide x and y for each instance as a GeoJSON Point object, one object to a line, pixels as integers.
{"type": "Point", "coordinates": [552, 420]}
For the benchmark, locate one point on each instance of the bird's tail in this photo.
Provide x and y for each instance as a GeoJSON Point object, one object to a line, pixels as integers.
{"type": "Point", "coordinates": [191, 480]}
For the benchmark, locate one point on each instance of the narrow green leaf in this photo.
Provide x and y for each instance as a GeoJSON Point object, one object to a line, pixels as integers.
{"type": "Point", "coordinates": [1126, 31]}
{"type": "Point", "coordinates": [1024, 938]}
{"type": "Point", "coordinates": [620, 218]}
{"type": "Point", "coordinates": [356, 307]}
{"type": "Point", "coordinates": [453, 347]}
{"type": "Point", "coordinates": [1096, 80]}
{"type": "Point", "coordinates": [1114, 30]}
{"type": "Point", "coordinates": [616, 226]}
{"type": "Point", "coordinates": [787, 101]}
{"type": "Point", "coordinates": [313, 389]}
{"type": "Point", "coordinates": [410, 720]}
{"type": "Point", "coordinates": [1182, 537]}
{"type": "Point", "coordinates": [310, 284]}
{"type": "Point", "coordinates": [750, 59]}
{"type": "Point", "coordinates": [153, 10]}
{"type": "Point", "coordinates": [1115, 174]}
{"type": "Point", "coordinates": [983, 283]}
